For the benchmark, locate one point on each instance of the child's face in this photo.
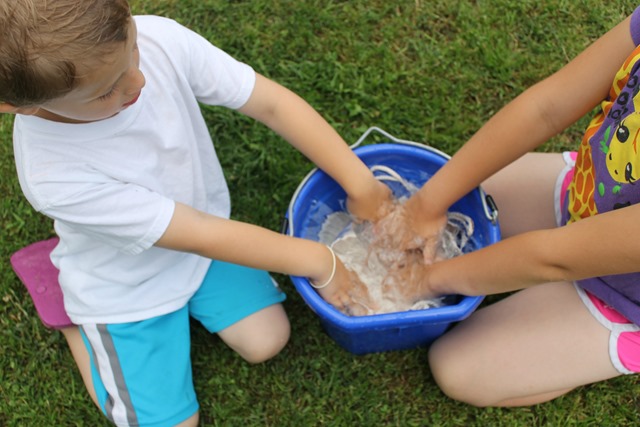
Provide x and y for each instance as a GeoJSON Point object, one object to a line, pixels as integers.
{"type": "Point", "coordinates": [105, 90]}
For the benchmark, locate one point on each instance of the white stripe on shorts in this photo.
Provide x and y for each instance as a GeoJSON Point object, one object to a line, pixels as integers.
{"type": "Point", "coordinates": [615, 328]}
{"type": "Point", "coordinates": [118, 407]}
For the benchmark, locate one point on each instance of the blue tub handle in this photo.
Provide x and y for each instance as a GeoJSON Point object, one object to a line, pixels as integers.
{"type": "Point", "coordinates": [489, 206]}
{"type": "Point", "coordinates": [392, 138]}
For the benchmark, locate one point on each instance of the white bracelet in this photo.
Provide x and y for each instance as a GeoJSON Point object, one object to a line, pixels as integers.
{"type": "Point", "coordinates": [333, 271]}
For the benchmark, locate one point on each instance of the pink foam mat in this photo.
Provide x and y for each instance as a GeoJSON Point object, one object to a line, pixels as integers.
{"type": "Point", "coordinates": [34, 268]}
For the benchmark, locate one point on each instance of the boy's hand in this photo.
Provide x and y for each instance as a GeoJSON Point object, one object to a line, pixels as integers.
{"type": "Point", "coordinates": [347, 293]}
{"type": "Point", "coordinates": [372, 204]}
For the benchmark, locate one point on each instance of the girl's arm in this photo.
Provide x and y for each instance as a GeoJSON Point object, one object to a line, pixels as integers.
{"type": "Point", "coordinates": [604, 244]}
{"type": "Point", "coordinates": [298, 123]}
{"type": "Point", "coordinates": [601, 245]}
{"type": "Point", "coordinates": [524, 124]}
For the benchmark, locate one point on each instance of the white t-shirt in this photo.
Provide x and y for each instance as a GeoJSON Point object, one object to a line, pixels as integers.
{"type": "Point", "coordinates": [111, 185]}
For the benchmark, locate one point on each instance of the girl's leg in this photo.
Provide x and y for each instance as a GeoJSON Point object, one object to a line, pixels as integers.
{"type": "Point", "coordinates": [524, 192]}
{"type": "Point", "coordinates": [528, 348]}
{"type": "Point", "coordinates": [538, 343]}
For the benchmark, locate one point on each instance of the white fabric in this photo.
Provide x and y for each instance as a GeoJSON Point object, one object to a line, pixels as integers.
{"type": "Point", "coordinates": [111, 185]}
{"type": "Point", "coordinates": [616, 330]}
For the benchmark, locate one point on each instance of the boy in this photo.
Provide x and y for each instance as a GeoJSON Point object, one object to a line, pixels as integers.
{"type": "Point", "coordinates": [110, 143]}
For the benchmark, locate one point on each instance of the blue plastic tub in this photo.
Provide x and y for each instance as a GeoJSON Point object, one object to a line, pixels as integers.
{"type": "Point", "coordinates": [320, 195]}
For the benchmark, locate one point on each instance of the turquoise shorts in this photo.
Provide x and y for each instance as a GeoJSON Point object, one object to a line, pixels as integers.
{"type": "Point", "coordinates": [141, 371]}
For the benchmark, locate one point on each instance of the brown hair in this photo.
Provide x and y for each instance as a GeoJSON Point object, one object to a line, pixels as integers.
{"type": "Point", "coordinates": [43, 42]}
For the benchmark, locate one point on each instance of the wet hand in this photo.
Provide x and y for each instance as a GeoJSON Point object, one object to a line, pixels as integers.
{"type": "Point", "coordinates": [406, 282]}
{"type": "Point", "coordinates": [395, 231]}
{"type": "Point", "coordinates": [372, 204]}
{"type": "Point", "coordinates": [347, 293]}
{"type": "Point", "coordinates": [428, 228]}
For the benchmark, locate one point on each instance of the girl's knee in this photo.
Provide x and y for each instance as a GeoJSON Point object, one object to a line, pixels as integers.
{"type": "Point", "coordinates": [453, 372]}
{"type": "Point", "coordinates": [443, 370]}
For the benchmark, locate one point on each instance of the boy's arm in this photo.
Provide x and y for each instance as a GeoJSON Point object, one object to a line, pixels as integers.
{"type": "Point", "coordinates": [524, 124]}
{"type": "Point", "coordinates": [245, 244]}
{"type": "Point", "coordinates": [298, 123]}
{"type": "Point", "coordinates": [213, 237]}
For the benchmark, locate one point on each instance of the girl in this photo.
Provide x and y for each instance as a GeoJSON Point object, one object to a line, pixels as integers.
{"type": "Point", "coordinates": [570, 226]}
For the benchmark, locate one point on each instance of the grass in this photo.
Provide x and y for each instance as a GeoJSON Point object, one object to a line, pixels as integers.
{"type": "Point", "coordinates": [430, 71]}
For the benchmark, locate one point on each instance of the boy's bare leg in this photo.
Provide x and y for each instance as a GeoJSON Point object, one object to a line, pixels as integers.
{"type": "Point", "coordinates": [260, 336]}
{"type": "Point", "coordinates": [528, 348]}
{"type": "Point", "coordinates": [191, 422]}
{"type": "Point", "coordinates": [81, 356]}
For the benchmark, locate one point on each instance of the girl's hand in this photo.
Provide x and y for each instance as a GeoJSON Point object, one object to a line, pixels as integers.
{"type": "Point", "coordinates": [404, 229]}
{"type": "Point", "coordinates": [372, 204]}
{"type": "Point", "coordinates": [406, 282]}
{"type": "Point", "coordinates": [428, 227]}
{"type": "Point", "coordinates": [347, 293]}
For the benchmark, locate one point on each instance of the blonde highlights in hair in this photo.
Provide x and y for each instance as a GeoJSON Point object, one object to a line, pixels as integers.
{"type": "Point", "coordinates": [43, 42]}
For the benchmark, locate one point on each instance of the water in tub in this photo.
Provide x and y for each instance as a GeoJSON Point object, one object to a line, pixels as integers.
{"type": "Point", "coordinates": [357, 244]}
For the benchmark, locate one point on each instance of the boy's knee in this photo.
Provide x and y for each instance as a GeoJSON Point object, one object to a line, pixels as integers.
{"type": "Point", "coordinates": [191, 421]}
{"type": "Point", "coordinates": [259, 337]}
{"type": "Point", "coordinates": [264, 347]}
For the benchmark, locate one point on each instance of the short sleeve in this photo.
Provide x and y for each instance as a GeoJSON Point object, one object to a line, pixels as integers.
{"type": "Point", "coordinates": [125, 216]}
{"type": "Point", "coordinates": [635, 26]}
{"type": "Point", "coordinates": [215, 77]}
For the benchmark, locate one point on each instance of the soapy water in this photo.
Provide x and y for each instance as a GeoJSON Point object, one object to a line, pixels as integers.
{"type": "Point", "coordinates": [357, 244]}
{"type": "Point", "coordinates": [370, 251]}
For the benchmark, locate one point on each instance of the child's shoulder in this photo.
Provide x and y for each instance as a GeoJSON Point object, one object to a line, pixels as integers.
{"type": "Point", "coordinates": [160, 28]}
{"type": "Point", "coordinates": [156, 24]}
{"type": "Point", "coordinates": [635, 26]}
{"type": "Point", "coordinates": [163, 36]}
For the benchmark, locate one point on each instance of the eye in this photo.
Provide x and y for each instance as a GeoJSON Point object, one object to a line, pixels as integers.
{"type": "Point", "coordinates": [622, 133]}
{"type": "Point", "coordinates": [107, 95]}
{"type": "Point", "coordinates": [628, 173]}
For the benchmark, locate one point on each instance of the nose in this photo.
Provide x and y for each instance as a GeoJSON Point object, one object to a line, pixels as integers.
{"type": "Point", "coordinates": [136, 81]}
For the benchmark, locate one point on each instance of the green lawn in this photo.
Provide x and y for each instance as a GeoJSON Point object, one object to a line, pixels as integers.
{"type": "Point", "coordinates": [429, 71]}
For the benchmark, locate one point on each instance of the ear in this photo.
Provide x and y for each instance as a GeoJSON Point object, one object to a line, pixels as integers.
{"type": "Point", "coordinates": [12, 109]}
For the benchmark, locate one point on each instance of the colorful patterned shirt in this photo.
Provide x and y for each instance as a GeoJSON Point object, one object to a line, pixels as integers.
{"type": "Point", "coordinates": [607, 173]}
